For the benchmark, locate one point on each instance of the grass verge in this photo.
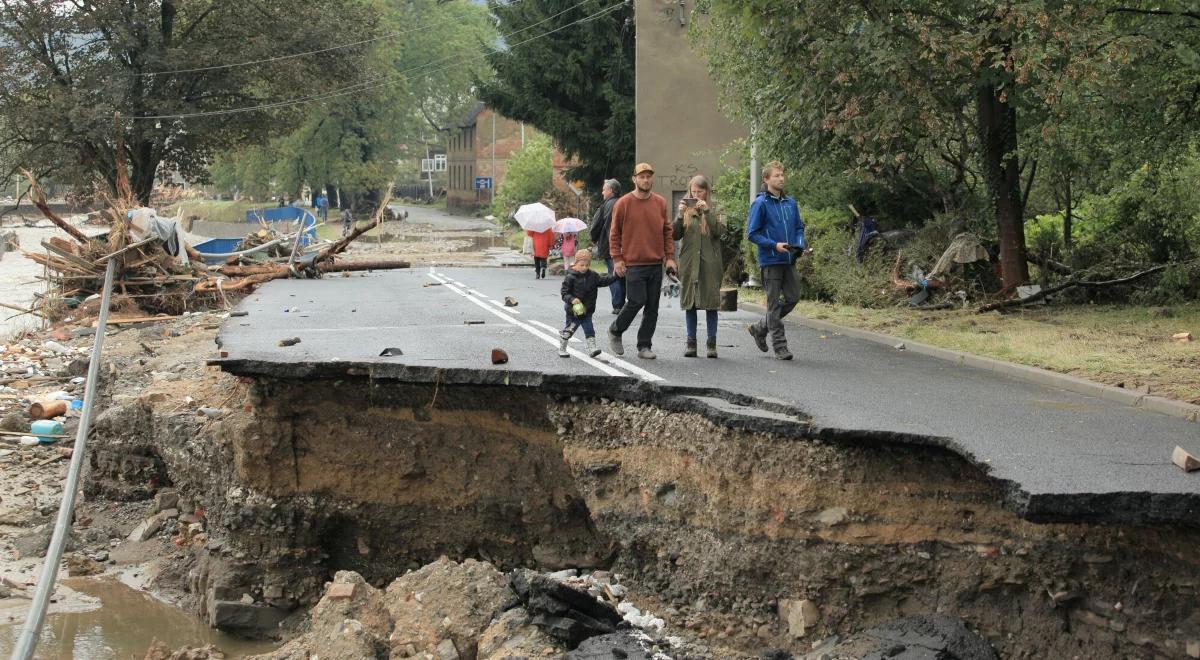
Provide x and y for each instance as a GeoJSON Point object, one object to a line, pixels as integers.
{"type": "Point", "coordinates": [1115, 345]}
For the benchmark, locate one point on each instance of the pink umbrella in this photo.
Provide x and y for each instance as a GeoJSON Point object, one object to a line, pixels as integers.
{"type": "Point", "coordinates": [569, 226]}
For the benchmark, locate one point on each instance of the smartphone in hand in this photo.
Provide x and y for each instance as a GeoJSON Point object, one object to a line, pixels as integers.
{"type": "Point", "coordinates": [689, 202]}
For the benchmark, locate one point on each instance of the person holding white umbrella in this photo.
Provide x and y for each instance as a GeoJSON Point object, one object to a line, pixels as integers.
{"type": "Point", "coordinates": [537, 220]}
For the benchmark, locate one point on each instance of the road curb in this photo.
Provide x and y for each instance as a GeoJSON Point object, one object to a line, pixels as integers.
{"type": "Point", "coordinates": [1037, 375]}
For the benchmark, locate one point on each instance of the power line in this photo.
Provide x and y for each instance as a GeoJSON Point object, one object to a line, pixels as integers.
{"type": "Point", "coordinates": [318, 51]}
{"type": "Point", "coordinates": [390, 78]}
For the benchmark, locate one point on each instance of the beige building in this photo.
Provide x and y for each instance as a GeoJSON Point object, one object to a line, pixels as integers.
{"type": "Point", "coordinates": [680, 131]}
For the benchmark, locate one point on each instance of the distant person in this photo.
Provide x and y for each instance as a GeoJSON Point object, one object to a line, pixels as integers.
{"type": "Point", "coordinates": [579, 289]}
{"type": "Point", "coordinates": [698, 227]}
{"type": "Point", "coordinates": [347, 222]}
{"type": "Point", "coordinates": [601, 223]}
{"type": "Point", "coordinates": [568, 249]}
{"type": "Point", "coordinates": [323, 207]}
{"type": "Point", "coordinates": [775, 226]}
{"type": "Point", "coordinates": [640, 244]}
{"type": "Point", "coordinates": [542, 240]}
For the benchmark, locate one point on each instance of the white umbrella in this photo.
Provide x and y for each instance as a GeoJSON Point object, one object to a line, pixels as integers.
{"type": "Point", "coordinates": [535, 217]}
{"type": "Point", "coordinates": [570, 226]}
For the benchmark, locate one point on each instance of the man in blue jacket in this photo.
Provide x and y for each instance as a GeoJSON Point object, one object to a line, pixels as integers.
{"type": "Point", "coordinates": [775, 227]}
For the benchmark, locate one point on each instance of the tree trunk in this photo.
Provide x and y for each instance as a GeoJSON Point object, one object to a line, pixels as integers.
{"type": "Point", "coordinates": [1068, 217]}
{"type": "Point", "coordinates": [143, 166]}
{"type": "Point", "coordinates": [998, 137]}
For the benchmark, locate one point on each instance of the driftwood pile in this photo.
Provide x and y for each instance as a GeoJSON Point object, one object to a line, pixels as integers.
{"type": "Point", "coordinates": [157, 282]}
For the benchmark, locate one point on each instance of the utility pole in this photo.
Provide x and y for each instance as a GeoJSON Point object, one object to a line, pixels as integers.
{"type": "Point", "coordinates": [492, 188]}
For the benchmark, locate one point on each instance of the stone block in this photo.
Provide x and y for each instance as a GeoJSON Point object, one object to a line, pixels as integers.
{"type": "Point", "coordinates": [166, 499]}
{"type": "Point", "coordinates": [146, 529]}
{"type": "Point", "coordinates": [340, 590]}
{"type": "Point", "coordinates": [799, 615]}
{"type": "Point", "coordinates": [248, 620]}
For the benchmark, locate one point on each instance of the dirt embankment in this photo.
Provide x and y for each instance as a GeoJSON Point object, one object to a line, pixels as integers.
{"type": "Point", "coordinates": [742, 542]}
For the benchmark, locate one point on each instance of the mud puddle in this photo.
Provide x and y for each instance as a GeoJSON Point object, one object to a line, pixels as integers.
{"type": "Point", "coordinates": [119, 625]}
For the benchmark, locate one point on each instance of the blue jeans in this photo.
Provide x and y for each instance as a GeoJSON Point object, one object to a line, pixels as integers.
{"type": "Point", "coordinates": [710, 321]}
{"type": "Point", "coordinates": [575, 322]}
{"type": "Point", "coordinates": [616, 289]}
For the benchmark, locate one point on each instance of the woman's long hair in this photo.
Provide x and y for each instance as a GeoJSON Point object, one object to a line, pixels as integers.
{"type": "Point", "coordinates": [699, 181]}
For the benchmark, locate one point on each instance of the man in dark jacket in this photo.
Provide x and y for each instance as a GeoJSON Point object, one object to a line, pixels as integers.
{"type": "Point", "coordinates": [776, 228]}
{"type": "Point", "coordinates": [601, 223]}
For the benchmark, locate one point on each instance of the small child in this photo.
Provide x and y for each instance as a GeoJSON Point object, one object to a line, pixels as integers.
{"type": "Point", "coordinates": [579, 289]}
{"type": "Point", "coordinates": [568, 249]}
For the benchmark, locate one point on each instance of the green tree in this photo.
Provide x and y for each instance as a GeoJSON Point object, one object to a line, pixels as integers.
{"type": "Point", "coordinates": [571, 77]}
{"type": "Point", "coordinates": [952, 94]}
{"type": "Point", "coordinates": [529, 177]}
{"type": "Point", "coordinates": [420, 77]}
{"type": "Point", "coordinates": [69, 67]}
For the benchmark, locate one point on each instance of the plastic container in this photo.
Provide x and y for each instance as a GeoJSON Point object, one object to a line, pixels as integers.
{"type": "Point", "coordinates": [43, 428]}
{"type": "Point", "coordinates": [76, 404]}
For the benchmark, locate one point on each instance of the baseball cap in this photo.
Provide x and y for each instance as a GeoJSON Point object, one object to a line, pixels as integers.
{"type": "Point", "coordinates": [642, 167]}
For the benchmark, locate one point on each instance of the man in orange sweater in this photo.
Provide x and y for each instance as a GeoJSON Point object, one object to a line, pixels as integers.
{"type": "Point", "coordinates": [640, 242]}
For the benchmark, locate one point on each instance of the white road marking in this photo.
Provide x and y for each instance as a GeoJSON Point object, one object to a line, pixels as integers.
{"type": "Point", "coordinates": [604, 357]}
{"type": "Point", "coordinates": [553, 341]}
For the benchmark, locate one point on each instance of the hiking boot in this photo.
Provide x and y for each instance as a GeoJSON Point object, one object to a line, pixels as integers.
{"type": "Point", "coordinates": [614, 343]}
{"type": "Point", "coordinates": [712, 348]}
{"type": "Point", "coordinates": [593, 349]}
{"type": "Point", "coordinates": [782, 353]}
{"type": "Point", "coordinates": [690, 351]}
{"type": "Point", "coordinates": [562, 347]}
{"type": "Point", "coordinates": [646, 354]}
{"type": "Point", "coordinates": [617, 310]}
{"type": "Point", "coordinates": [760, 336]}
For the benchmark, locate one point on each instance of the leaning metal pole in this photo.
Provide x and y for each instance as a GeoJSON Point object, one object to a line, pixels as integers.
{"type": "Point", "coordinates": [62, 527]}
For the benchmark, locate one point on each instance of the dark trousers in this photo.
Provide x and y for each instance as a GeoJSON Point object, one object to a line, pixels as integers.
{"type": "Point", "coordinates": [539, 266]}
{"type": "Point", "coordinates": [783, 292]}
{"type": "Point", "coordinates": [616, 289]}
{"type": "Point", "coordinates": [575, 322]}
{"type": "Point", "coordinates": [643, 286]}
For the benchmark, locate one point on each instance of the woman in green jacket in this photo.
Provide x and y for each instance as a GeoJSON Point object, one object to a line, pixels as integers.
{"type": "Point", "coordinates": [698, 226]}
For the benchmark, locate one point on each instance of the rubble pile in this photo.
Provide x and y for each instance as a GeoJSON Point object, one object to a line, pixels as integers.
{"type": "Point", "coordinates": [158, 269]}
{"type": "Point", "coordinates": [471, 611]}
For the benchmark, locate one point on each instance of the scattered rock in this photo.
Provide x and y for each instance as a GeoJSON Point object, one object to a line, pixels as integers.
{"type": "Point", "coordinates": [79, 565]}
{"type": "Point", "coordinates": [927, 636]}
{"type": "Point", "coordinates": [291, 341]}
{"type": "Point", "coordinates": [1185, 460]}
{"type": "Point", "coordinates": [160, 651]}
{"type": "Point", "coordinates": [166, 499]}
{"type": "Point", "coordinates": [509, 301]}
{"type": "Point", "coordinates": [799, 616]}
{"type": "Point", "coordinates": [255, 621]}
{"type": "Point", "coordinates": [499, 356]}
{"type": "Point", "coordinates": [833, 516]}
{"type": "Point", "coordinates": [146, 529]}
{"type": "Point", "coordinates": [513, 635]}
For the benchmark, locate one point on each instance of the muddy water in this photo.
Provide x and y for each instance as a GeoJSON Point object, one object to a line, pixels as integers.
{"type": "Point", "coordinates": [121, 626]}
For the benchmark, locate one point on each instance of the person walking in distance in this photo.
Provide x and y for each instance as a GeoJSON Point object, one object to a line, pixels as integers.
{"type": "Point", "coordinates": [698, 226]}
{"type": "Point", "coordinates": [639, 243]}
{"type": "Point", "coordinates": [542, 240]}
{"type": "Point", "coordinates": [775, 226]}
{"type": "Point", "coordinates": [601, 224]}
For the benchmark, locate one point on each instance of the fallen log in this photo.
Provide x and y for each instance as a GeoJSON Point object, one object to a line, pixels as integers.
{"type": "Point", "coordinates": [252, 275]}
{"type": "Point", "coordinates": [1018, 302]}
{"type": "Point", "coordinates": [39, 200]}
{"type": "Point", "coordinates": [368, 264]}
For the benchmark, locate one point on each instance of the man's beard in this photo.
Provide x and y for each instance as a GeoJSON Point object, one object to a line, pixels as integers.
{"type": "Point", "coordinates": [645, 187]}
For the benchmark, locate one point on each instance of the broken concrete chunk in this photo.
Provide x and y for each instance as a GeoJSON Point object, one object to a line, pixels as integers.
{"type": "Point", "coordinates": [446, 650]}
{"type": "Point", "coordinates": [509, 301]}
{"type": "Point", "coordinates": [146, 529]}
{"type": "Point", "coordinates": [166, 499]}
{"type": "Point", "coordinates": [833, 516]}
{"type": "Point", "coordinates": [340, 590]}
{"type": "Point", "coordinates": [799, 615]}
{"type": "Point", "coordinates": [1184, 459]}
